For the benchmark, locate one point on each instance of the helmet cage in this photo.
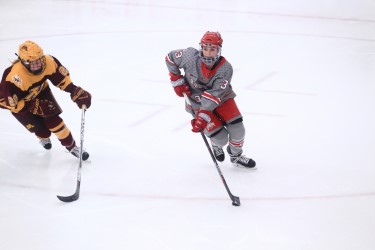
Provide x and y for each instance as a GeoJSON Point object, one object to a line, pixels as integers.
{"type": "Point", "coordinates": [35, 67]}
{"type": "Point", "coordinates": [209, 61]}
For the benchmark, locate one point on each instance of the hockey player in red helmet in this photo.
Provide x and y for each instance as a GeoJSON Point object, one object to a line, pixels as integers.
{"type": "Point", "coordinates": [207, 82]}
{"type": "Point", "coordinates": [25, 91]}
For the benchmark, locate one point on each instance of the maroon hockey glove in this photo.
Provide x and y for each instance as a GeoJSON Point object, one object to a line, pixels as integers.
{"type": "Point", "coordinates": [179, 85]}
{"type": "Point", "coordinates": [81, 97]}
{"type": "Point", "coordinates": [43, 107]}
{"type": "Point", "coordinates": [200, 122]}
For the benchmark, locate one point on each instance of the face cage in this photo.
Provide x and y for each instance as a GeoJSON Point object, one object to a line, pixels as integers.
{"type": "Point", "coordinates": [35, 67]}
{"type": "Point", "coordinates": [209, 61]}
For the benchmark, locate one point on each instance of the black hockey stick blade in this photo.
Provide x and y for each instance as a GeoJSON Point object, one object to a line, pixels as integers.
{"type": "Point", "coordinates": [236, 201]}
{"type": "Point", "coordinates": [71, 198]}
{"type": "Point", "coordinates": [74, 196]}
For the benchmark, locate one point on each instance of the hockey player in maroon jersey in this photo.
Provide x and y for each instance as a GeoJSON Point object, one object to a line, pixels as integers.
{"type": "Point", "coordinates": [25, 91]}
{"type": "Point", "coordinates": [206, 80]}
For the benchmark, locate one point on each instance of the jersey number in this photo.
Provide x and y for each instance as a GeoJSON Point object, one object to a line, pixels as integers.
{"type": "Point", "coordinates": [224, 84]}
{"type": "Point", "coordinates": [178, 54]}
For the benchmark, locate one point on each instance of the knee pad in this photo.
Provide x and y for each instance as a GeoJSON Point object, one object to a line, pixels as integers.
{"type": "Point", "coordinates": [236, 131]}
{"type": "Point", "coordinates": [43, 132]}
{"type": "Point", "coordinates": [217, 132]}
{"type": "Point", "coordinates": [34, 124]}
{"type": "Point", "coordinates": [220, 138]}
{"type": "Point", "coordinates": [236, 121]}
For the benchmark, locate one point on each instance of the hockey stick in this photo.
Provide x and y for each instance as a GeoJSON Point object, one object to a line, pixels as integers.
{"type": "Point", "coordinates": [235, 199]}
{"type": "Point", "coordinates": [75, 196]}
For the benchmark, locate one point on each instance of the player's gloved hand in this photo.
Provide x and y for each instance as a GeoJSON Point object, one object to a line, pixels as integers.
{"type": "Point", "coordinates": [43, 107]}
{"type": "Point", "coordinates": [81, 97]}
{"type": "Point", "coordinates": [202, 118]}
{"type": "Point", "coordinates": [179, 85]}
{"type": "Point", "coordinates": [182, 89]}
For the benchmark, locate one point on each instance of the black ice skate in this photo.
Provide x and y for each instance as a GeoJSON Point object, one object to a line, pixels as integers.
{"type": "Point", "coordinates": [241, 160]}
{"type": "Point", "coordinates": [75, 151]}
{"type": "Point", "coordinates": [46, 143]}
{"type": "Point", "coordinates": [218, 152]}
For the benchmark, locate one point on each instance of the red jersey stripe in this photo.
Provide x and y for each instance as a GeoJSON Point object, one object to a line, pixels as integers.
{"type": "Point", "coordinates": [211, 98]}
{"type": "Point", "coordinates": [169, 60]}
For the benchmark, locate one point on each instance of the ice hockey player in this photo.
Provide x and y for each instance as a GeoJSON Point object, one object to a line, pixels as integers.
{"type": "Point", "coordinates": [207, 82]}
{"type": "Point", "coordinates": [25, 91]}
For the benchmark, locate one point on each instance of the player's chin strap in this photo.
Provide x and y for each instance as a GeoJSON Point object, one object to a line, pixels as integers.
{"type": "Point", "coordinates": [235, 199]}
{"type": "Point", "coordinates": [19, 58]}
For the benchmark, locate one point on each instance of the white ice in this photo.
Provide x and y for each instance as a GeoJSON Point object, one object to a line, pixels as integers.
{"type": "Point", "coordinates": [304, 75]}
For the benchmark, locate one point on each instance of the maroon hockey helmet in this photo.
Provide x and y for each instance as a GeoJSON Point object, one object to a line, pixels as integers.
{"type": "Point", "coordinates": [210, 39]}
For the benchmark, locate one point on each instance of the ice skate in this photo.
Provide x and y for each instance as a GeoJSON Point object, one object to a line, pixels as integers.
{"type": "Point", "coordinates": [219, 153]}
{"type": "Point", "coordinates": [239, 160]}
{"type": "Point", "coordinates": [76, 150]}
{"type": "Point", "coordinates": [46, 143]}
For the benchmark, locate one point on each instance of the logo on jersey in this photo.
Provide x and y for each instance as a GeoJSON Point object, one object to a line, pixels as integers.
{"type": "Point", "coordinates": [29, 126]}
{"type": "Point", "coordinates": [192, 82]}
{"type": "Point", "coordinates": [63, 71]}
{"type": "Point", "coordinates": [16, 80]}
{"type": "Point", "coordinates": [33, 92]}
{"type": "Point", "coordinates": [13, 100]}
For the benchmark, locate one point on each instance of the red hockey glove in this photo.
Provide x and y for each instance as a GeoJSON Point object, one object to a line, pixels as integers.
{"type": "Point", "coordinates": [200, 122]}
{"type": "Point", "coordinates": [43, 107]}
{"type": "Point", "coordinates": [179, 85]}
{"type": "Point", "coordinates": [182, 89]}
{"type": "Point", "coordinates": [81, 97]}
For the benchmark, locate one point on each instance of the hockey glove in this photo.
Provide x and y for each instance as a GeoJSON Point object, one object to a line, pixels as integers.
{"type": "Point", "coordinates": [81, 97]}
{"type": "Point", "coordinates": [43, 107]}
{"type": "Point", "coordinates": [179, 85]}
{"type": "Point", "coordinates": [202, 118]}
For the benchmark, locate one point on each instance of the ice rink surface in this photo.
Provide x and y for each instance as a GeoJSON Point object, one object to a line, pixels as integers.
{"type": "Point", "coordinates": [304, 73]}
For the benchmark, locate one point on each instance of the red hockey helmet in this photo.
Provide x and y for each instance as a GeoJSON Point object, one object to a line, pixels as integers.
{"type": "Point", "coordinates": [212, 38]}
